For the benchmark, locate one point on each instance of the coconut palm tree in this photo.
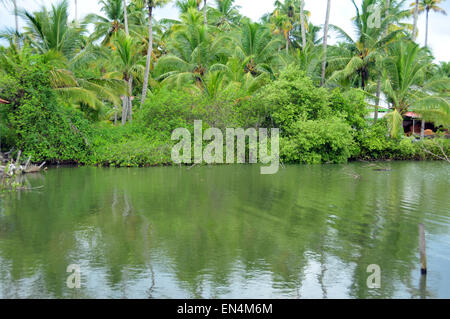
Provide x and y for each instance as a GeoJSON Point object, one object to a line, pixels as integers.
{"type": "Point", "coordinates": [256, 48]}
{"type": "Point", "coordinates": [130, 66]}
{"type": "Point", "coordinates": [237, 78]}
{"type": "Point", "coordinates": [109, 24]}
{"type": "Point", "coordinates": [288, 14]}
{"type": "Point", "coordinates": [184, 5]}
{"type": "Point", "coordinates": [444, 69]}
{"type": "Point", "coordinates": [281, 24]}
{"type": "Point", "coordinates": [89, 91]}
{"type": "Point", "coordinates": [225, 15]}
{"type": "Point", "coordinates": [427, 6]}
{"type": "Point", "coordinates": [408, 85]}
{"type": "Point", "coordinates": [308, 59]}
{"type": "Point", "coordinates": [51, 30]}
{"type": "Point", "coordinates": [151, 4]}
{"type": "Point", "coordinates": [360, 56]}
{"type": "Point", "coordinates": [193, 53]}
{"type": "Point", "coordinates": [63, 47]}
{"type": "Point", "coordinates": [325, 39]}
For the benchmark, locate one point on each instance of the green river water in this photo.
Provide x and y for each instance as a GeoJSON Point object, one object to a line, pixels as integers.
{"type": "Point", "coordinates": [228, 232]}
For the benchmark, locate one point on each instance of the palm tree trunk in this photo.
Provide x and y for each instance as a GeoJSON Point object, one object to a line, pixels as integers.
{"type": "Point", "coordinates": [16, 15]}
{"type": "Point", "coordinates": [378, 93]}
{"type": "Point", "coordinates": [205, 19]}
{"type": "Point", "coordinates": [388, 6]}
{"type": "Point", "coordinates": [149, 55]}
{"type": "Point", "coordinates": [422, 130]}
{"type": "Point", "coordinates": [130, 101]}
{"type": "Point", "coordinates": [124, 109]}
{"type": "Point", "coordinates": [125, 17]}
{"type": "Point", "coordinates": [16, 18]}
{"type": "Point", "coordinates": [325, 39]}
{"type": "Point", "coordinates": [416, 16]}
{"type": "Point", "coordinates": [287, 43]}
{"type": "Point", "coordinates": [363, 79]}
{"type": "Point", "coordinates": [377, 98]}
{"type": "Point", "coordinates": [76, 11]}
{"type": "Point", "coordinates": [302, 21]}
{"type": "Point", "coordinates": [426, 31]}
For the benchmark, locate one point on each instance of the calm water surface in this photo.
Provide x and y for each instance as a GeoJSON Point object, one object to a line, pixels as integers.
{"type": "Point", "coordinates": [228, 232]}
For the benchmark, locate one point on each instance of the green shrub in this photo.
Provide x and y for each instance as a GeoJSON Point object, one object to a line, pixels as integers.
{"type": "Point", "coordinates": [128, 146]}
{"type": "Point", "coordinates": [318, 141]}
{"type": "Point", "coordinates": [293, 97]}
{"type": "Point", "coordinates": [375, 144]}
{"type": "Point", "coordinates": [433, 149]}
{"type": "Point", "coordinates": [36, 121]}
{"type": "Point", "coordinates": [351, 106]}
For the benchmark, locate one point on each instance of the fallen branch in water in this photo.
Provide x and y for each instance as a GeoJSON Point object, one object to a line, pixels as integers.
{"type": "Point", "coordinates": [192, 166]}
{"type": "Point", "coordinates": [441, 148]}
{"type": "Point", "coordinates": [30, 188]}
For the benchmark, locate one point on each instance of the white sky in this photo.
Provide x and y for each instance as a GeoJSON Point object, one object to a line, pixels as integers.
{"type": "Point", "coordinates": [341, 13]}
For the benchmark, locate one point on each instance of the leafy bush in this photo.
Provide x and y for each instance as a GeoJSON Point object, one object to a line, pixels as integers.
{"type": "Point", "coordinates": [294, 97]}
{"type": "Point", "coordinates": [351, 106]}
{"type": "Point", "coordinates": [128, 146]}
{"type": "Point", "coordinates": [167, 110]}
{"type": "Point", "coordinates": [319, 141]}
{"type": "Point", "coordinates": [375, 144]}
{"type": "Point", "coordinates": [35, 121]}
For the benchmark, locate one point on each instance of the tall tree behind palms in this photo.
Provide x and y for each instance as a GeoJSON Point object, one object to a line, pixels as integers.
{"type": "Point", "coordinates": [127, 100]}
{"type": "Point", "coordinates": [285, 17]}
{"type": "Point", "coordinates": [205, 19]}
{"type": "Point", "coordinates": [151, 4]}
{"type": "Point", "coordinates": [125, 17]}
{"type": "Point", "coordinates": [325, 39]}
{"type": "Point", "coordinates": [302, 21]}
{"type": "Point", "coordinates": [427, 6]}
{"type": "Point", "coordinates": [416, 16]}
{"type": "Point", "coordinates": [378, 92]}
{"type": "Point", "coordinates": [76, 10]}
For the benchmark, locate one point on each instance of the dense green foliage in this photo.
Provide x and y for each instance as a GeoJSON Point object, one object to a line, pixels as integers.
{"type": "Point", "coordinates": [37, 120]}
{"type": "Point", "coordinates": [69, 91]}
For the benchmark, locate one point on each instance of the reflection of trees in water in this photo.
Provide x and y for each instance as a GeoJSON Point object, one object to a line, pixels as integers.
{"type": "Point", "coordinates": [214, 226]}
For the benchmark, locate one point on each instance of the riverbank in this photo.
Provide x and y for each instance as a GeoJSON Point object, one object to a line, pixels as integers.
{"type": "Point", "coordinates": [137, 154]}
{"type": "Point", "coordinates": [317, 125]}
